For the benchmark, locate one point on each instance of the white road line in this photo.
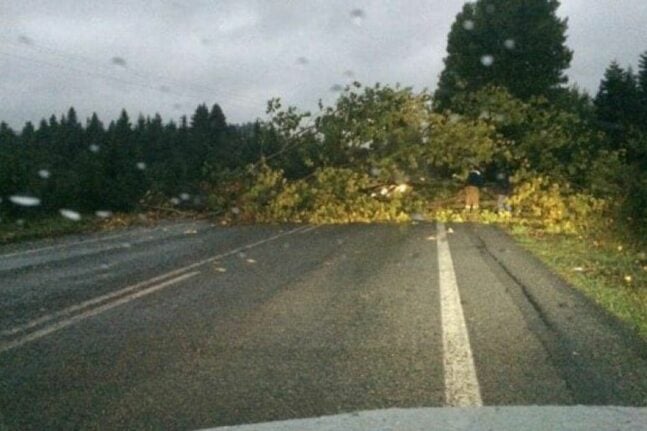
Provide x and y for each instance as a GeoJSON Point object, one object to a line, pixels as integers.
{"type": "Point", "coordinates": [69, 310]}
{"type": "Point", "coordinates": [72, 244]}
{"type": "Point", "coordinates": [308, 229]}
{"type": "Point", "coordinates": [93, 312]}
{"type": "Point", "coordinates": [50, 247]}
{"type": "Point", "coordinates": [82, 305]}
{"type": "Point", "coordinates": [461, 384]}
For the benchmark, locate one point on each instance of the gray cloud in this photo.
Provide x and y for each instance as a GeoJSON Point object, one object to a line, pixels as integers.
{"type": "Point", "coordinates": [240, 53]}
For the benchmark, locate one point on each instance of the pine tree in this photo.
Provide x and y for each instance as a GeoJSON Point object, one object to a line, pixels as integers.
{"type": "Point", "coordinates": [199, 141]}
{"type": "Point", "coordinates": [516, 44]}
{"type": "Point", "coordinates": [617, 104]}
{"type": "Point", "coordinates": [224, 153]}
{"type": "Point", "coordinates": [642, 88]}
{"type": "Point", "coordinates": [122, 177]}
{"type": "Point", "coordinates": [10, 175]}
{"type": "Point", "coordinates": [217, 120]}
{"type": "Point", "coordinates": [91, 166]}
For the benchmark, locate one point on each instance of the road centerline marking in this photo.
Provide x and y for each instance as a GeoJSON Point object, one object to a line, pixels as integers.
{"type": "Point", "coordinates": [120, 293]}
{"type": "Point", "coordinates": [93, 312]}
{"type": "Point", "coordinates": [461, 384]}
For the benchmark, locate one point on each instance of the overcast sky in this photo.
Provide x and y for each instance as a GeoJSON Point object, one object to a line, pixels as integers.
{"type": "Point", "coordinates": [167, 56]}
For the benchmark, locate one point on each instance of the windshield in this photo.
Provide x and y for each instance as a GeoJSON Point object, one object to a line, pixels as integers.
{"type": "Point", "coordinates": [221, 213]}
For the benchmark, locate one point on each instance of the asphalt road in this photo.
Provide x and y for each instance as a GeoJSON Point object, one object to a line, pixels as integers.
{"type": "Point", "coordinates": [188, 326]}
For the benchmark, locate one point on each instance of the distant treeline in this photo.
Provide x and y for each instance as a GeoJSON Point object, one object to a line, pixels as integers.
{"type": "Point", "coordinates": [63, 164]}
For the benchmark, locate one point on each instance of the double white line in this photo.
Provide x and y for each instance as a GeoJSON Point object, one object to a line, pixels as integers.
{"type": "Point", "coordinates": [75, 313]}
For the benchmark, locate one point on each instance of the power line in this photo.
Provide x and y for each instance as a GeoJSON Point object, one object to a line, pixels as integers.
{"type": "Point", "coordinates": [189, 87]}
{"type": "Point", "coordinates": [196, 90]}
{"type": "Point", "coordinates": [182, 84]}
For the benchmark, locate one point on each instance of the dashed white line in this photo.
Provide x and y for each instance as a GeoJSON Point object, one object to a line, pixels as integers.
{"type": "Point", "coordinates": [93, 312]}
{"type": "Point", "coordinates": [85, 304]}
{"type": "Point", "coordinates": [461, 384]}
{"type": "Point", "coordinates": [103, 298]}
{"type": "Point", "coordinates": [308, 229]}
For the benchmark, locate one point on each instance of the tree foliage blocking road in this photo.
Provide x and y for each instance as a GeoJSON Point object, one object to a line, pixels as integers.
{"type": "Point", "coordinates": [382, 153]}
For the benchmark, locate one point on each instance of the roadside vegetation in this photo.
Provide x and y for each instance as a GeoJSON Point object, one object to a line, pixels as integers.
{"type": "Point", "coordinates": [609, 270]}
{"type": "Point", "coordinates": [578, 164]}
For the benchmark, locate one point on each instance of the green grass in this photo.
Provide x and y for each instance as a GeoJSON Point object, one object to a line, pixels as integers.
{"type": "Point", "coordinates": [604, 267]}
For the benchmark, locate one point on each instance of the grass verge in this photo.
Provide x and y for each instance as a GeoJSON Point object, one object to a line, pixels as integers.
{"type": "Point", "coordinates": [608, 270]}
{"type": "Point", "coordinates": [56, 226]}
{"type": "Point", "coordinates": [48, 227]}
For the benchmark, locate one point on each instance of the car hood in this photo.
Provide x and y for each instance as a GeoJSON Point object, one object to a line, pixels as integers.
{"type": "Point", "coordinates": [528, 418]}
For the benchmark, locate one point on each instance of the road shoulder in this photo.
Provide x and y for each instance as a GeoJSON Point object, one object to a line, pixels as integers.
{"type": "Point", "coordinates": [603, 361]}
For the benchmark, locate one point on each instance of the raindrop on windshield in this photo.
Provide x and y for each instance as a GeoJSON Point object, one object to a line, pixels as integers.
{"type": "Point", "coordinates": [468, 24]}
{"type": "Point", "coordinates": [70, 214]}
{"type": "Point", "coordinates": [141, 166]}
{"type": "Point", "coordinates": [94, 148]}
{"type": "Point", "coordinates": [375, 171]}
{"type": "Point", "coordinates": [44, 174]}
{"type": "Point", "coordinates": [302, 61]}
{"type": "Point", "coordinates": [25, 201]}
{"type": "Point", "coordinates": [509, 43]}
{"type": "Point", "coordinates": [357, 16]}
{"type": "Point", "coordinates": [118, 61]}
{"type": "Point", "coordinates": [175, 201]}
{"type": "Point", "coordinates": [349, 73]}
{"type": "Point", "coordinates": [490, 8]}
{"type": "Point", "coordinates": [25, 40]}
{"type": "Point", "coordinates": [185, 196]}
{"type": "Point", "coordinates": [487, 60]}
{"type": "Point", "coordinates": [103, 214]}
{"type": "Point", "coordinates": [177, 106]}
{"type": "Point", "coordinates": [336, 88]}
